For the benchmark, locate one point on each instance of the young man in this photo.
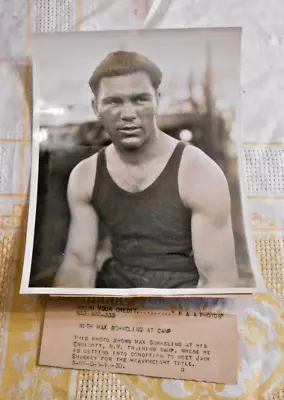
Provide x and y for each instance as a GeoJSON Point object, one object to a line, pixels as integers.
{"type": "Point", "coordinates": [166, 205]}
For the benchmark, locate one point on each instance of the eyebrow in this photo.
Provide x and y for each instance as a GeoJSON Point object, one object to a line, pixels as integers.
{"type": "Point", "coordinates": [143, 94]}
{"type": "Point", "coordinates": [110, 98]}
{"type": "Point", "coordinates": [118, 97]}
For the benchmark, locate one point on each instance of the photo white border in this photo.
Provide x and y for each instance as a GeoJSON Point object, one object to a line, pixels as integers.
{"type": "Point", "coordinates": [135, 292]}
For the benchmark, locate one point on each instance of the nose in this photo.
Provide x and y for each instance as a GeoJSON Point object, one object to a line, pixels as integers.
{"type": "Point", "coordinates": [128, 112]}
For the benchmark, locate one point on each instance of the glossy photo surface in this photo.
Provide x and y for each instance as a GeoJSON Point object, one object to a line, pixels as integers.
{"type": "Point", "coordinates": [137, 175]}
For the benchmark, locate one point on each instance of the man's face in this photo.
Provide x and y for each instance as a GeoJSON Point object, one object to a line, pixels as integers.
{"type": "Point", "coordinates": [127, 106]}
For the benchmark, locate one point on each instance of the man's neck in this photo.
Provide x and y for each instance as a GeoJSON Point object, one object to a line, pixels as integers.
{"type": "Point", "coordinates": [151, 149]}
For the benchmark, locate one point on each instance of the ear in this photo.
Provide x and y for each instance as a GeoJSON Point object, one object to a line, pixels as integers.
{"type": "Point", "coordinates": [95, 107]}
{"type": "Point", "coordinates": [158, 96]}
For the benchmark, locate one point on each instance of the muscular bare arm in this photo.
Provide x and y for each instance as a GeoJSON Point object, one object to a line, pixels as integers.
{"type": "Point", "coordinates": [212, 234]}
{"type": "Point", "coordinates": [78, 269]}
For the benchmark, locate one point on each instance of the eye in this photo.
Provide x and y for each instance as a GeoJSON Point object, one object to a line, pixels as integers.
{"type": "Point", "coordinates": [112, 101]}
{"type": "Point", "coordinates": [141, 100]}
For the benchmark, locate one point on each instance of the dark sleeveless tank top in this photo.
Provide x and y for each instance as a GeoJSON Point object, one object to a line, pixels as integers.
{"type": "Point", "coordinates": [150, 229]}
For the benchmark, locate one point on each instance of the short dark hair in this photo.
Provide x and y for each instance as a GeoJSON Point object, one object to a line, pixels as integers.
{"type": "Point", "coordinates": [124, 63]}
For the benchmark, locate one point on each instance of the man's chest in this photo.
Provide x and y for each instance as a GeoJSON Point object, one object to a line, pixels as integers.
{"type": "Point", "coordinates": [135, 178]}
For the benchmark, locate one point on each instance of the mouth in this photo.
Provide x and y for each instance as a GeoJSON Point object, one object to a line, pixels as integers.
{"type": "Point", "coordinates": [130, 130]}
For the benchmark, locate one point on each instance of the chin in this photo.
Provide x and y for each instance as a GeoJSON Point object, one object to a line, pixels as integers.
{"type": "Point", "coordinates": [131, 146]}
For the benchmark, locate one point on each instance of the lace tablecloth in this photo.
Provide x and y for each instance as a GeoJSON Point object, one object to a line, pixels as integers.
{"type": "Point", "coordinates": [261, 325]}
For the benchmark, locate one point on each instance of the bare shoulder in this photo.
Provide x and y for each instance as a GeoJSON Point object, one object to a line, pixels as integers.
{"type": "Point", "coordinates": [196, 161]}
{"type": "Point", "coordinates": [82, 179]}
{"type": "Point", "coordinates": [201, 180]}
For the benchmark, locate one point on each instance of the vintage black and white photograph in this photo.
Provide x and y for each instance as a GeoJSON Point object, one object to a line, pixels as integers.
{"type": "Point", "coordinates": [137, 182]}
